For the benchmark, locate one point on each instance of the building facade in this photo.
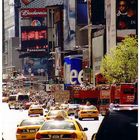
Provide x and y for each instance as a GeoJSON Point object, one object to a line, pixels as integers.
{"type": "Point", "coordinates": [10, 57]}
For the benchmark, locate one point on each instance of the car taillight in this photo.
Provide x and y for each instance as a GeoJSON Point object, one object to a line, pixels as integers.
{"type": "Point", "coordinates": [77, 110]}
{"type": "Point", "coordinates": [73, 135]}
{"type": "Point", "coordinates": [19, 131]}
{"type": "Point", "coordinates": [38, 136]}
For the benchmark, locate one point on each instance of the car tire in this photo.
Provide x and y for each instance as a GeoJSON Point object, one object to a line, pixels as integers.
{"type": "Point", "coordinates": [80, 119]}
{"type": "Point", "coordinates": [97, 118]}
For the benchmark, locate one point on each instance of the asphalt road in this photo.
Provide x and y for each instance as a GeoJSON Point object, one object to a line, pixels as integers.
{"type": "Point", "coordinates": [10, 119]}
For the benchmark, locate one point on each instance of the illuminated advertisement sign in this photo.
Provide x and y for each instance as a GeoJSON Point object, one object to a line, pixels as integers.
{"type": "Point", "coordinates": [73, 73]}
{"type": "Point", "coordinates": [36, 66]}
{"type": "Point", "coordinates": [126, 18]}
{"type": "Point", "coordinates": [82, 17]}
{"type": "Point", "coordinates": [34, 37]}
{"type": "Point", "coordinates": [33, 12]}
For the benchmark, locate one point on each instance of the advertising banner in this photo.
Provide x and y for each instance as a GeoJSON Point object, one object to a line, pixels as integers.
{"type": "Point", "coordinates": [69, 24]}
{"type": "Point", "coordinates": [54, 87]}
{"type": "Point", "coordinates": [126, 18]}
{"type": "Point", "coordinates": [98, 51]}
{"type": "Point", "coordinates": [73, 73]}
{"type": "Point", "coordinates": [26, 2]}
{"type": "Point", "coordinates": [34, 38]}
{"type": "Point", "coordinates": [82, 15]}
{"type": "Point", "coordinates": [61, 96]}
{"type": "Point", "coordinates": [36, 66]}
{"type": "Point", "coordinates": [33, 12]}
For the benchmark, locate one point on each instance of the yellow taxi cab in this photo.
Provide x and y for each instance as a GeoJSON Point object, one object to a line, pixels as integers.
{"type": "Point", "coordinates": [53, 113]}
{"type": "Point", "coordinates": [54, 108]}
{"type": "Point", "coordinates": [28, 128]}
{"type": "Point", "coordinates": [88, 111]}
{"type": "Point", "coordinates": [64, 106]}
{"type": "Point", "coordinates": [35, 109]}
{"type": "Point", "coordinates": [61, 129]}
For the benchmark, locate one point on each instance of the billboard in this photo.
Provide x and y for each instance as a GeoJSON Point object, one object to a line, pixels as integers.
{"type": "Point", "coordinates": [73, 73]}
{"type": "Point", "coordinates": [36, 66]}
{"type": "Point", "coordinates": [26, 2]}
{"type": "Point", "coordinates": [97, 11]}
{"type": "Point", "coordinates": [34, 38]}
{"type": "Point", "coordinates": [69, 24]}
{"type": "Point", "coordinates": [126, 18]}
{"type": "Point", "coordinates": [33, 12]}
{"type": "Point", "coordinates": [82, 15]}
{"type": "Point", "coordinates": [98, 47]}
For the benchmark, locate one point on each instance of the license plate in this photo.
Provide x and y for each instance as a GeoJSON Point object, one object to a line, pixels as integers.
{"type": "Point", "coordinates": [23, 137]}
{"type": "Point", "coordinates": [89, 112]}
{"type": "Point", "coordinates": [55, 137]}
{"type": "Point", "coordinates": [32, 130]}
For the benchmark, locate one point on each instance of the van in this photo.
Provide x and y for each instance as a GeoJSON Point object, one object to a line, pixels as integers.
{"type": "Point", "coordinates": [17, 101]}
{"type": "Point", "coordinates": [12, 101]}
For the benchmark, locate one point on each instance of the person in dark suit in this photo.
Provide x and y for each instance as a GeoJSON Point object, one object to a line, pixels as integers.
{"type": "Point", "coordinates": [122, 15]}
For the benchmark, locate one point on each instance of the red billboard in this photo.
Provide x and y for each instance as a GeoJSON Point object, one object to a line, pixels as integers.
{"type": "Point", "coordinates": [33, 12]}
{"type": "Point", "coordinates": [26, 2]}
{"type": "Point", "coordinates": [34, 37]}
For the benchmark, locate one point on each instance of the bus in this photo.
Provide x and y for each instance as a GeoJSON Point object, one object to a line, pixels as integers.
{"type": "Point", "coordinates": [102, 96]}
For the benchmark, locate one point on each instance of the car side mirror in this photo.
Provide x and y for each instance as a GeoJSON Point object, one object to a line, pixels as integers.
{"type": "Point", "coordinates": [85, 129]}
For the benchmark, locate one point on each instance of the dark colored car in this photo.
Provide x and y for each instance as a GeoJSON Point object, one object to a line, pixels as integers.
{"type": "Point", "coordinates": [120, 123]}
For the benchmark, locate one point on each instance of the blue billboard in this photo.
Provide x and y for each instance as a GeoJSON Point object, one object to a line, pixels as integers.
{"type": "Point", "coordinates": [73, 73]}
{"type": "Point", "coordinates": [82, 14]}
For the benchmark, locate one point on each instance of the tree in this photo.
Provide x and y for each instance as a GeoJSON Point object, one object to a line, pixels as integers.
{"type": "Point", "coordinates": [121, 64]}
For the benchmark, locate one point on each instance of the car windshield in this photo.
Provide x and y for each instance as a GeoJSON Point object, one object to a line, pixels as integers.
{"type": "Point", "coordinates": [32, 122]}
{"type": "Point", "coordinates": [12, 98]}
{"type": "Point", "coordinates": [55, 112]}
{"type": "Point", "coordinates": [89, 108]}
{"type": "Point", "coordinates": [23, 97]}
{"type": "Point", "coordinates": [58, 125]}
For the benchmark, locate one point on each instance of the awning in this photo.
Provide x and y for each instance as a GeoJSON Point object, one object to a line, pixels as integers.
{"type": "Point", "coordinates": [34, 54]}
{"type": "Point", "coordinates": [100, 26]}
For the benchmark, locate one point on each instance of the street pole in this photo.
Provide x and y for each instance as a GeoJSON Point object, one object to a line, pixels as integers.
{"type": "Point", "coordinates": [90, 42]}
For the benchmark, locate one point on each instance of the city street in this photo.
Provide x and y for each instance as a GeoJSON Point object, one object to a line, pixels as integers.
{"type": "Point", "coordinates": [10, 119]}
{"type": "Point", "coordinates": [69, 60]}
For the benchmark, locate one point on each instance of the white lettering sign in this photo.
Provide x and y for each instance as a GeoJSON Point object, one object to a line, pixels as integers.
{"type": "Point", "coordinates": [74, 76]}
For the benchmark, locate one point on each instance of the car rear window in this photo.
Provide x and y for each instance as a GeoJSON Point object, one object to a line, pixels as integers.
{"type": "Point", "coordinates": [89, 108]}
{"type": "Point", "coordinates": [32, 122]}
{"type": "Point", "coordinates": [58, 125]}
{"type": "Point", "coordinates": [119, 125]}
{"type": "Point", "coordinates": [12, 98]}
{"type": "Point", "coordinates": [55, 112]}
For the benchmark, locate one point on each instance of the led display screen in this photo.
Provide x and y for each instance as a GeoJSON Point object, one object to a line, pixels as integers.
{"type": "Point", "coordinates": [34, 37]}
